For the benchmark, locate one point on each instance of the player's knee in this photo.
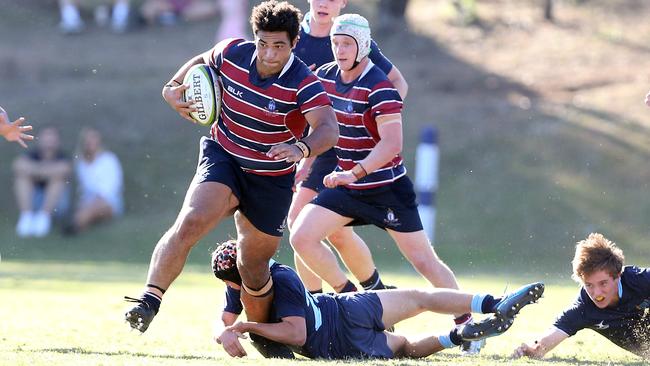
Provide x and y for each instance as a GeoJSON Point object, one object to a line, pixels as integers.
{"type": "Point", "coordinates": [425, 265]}
{"type": "Point", "coordinates": [189, 226]}
{"type": "Point", "coordinates": [301, 239]}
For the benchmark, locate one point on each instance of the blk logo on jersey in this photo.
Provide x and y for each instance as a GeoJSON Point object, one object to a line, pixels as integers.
{"type": "Point", "coordinates": [233, 91]}
{"type": "Point", "coordinates": [271, 106]}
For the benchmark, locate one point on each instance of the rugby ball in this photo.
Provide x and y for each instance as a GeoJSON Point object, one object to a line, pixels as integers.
{"type": "Point", "coordinates": [204, 90]}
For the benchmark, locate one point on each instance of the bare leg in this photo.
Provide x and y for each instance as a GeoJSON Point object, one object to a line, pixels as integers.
{"type": "Point", "coordinates": [23, 185]}
{"type": "Point", "coordinates": [53, 191]}
{"type": "Point", "coordinates": [204, 207]}
{"type": "Point", "coordinates": [403, 304]}
{"type": "Point", "coordinates": [354, 252]}
{"type": "Point", "coordinates": [93, 211]}
{"type": "Point", "coordinates": [312, 225]}
{"type": "Point", "coordinates": [255, 249]}
{"type": "Point", "coordinates": [302, 197]}
{"type": "Point", "coordinates": [416, 248]}
{"type": "Point", "coordinates": [403, 347]}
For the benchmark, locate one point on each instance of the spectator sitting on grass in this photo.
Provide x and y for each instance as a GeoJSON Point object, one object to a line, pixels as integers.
{"type": "Point", "coordinates": [72, 23]}
{"type": "Point", "coordinates": [99, 179]}
{"type": "Point", "coordinates": [41, 179]}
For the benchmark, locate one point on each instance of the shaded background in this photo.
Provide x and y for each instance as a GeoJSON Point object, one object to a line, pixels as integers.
{"type": "Point", "coordinates": [543, 132]}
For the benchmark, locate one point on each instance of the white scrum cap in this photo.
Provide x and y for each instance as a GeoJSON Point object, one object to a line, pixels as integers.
{"type": "Point", "coordinates": [357, 27]}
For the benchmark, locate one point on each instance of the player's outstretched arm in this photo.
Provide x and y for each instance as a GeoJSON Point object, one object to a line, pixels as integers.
{"type": "Point", "coordinates": [540, 347]}
{"type": "Point", "coordinates": [14, 131]}
{"type": "Point", "coordinates": [292, 330]}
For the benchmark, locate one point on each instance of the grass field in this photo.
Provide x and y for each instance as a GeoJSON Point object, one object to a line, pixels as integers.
{"type": "Point", "coordinates": [57, 314]}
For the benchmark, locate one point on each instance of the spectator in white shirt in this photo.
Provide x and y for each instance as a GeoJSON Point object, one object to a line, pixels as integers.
{"type": "Point", "coordinates": [99, 180]}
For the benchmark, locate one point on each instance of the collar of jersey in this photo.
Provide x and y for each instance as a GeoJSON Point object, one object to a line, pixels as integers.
{"type": "Point", "coordinates": [286, 66]}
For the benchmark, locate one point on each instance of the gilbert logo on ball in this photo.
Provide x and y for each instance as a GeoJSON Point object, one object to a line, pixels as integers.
{"type": "Point", "coordinates": [204, 90]}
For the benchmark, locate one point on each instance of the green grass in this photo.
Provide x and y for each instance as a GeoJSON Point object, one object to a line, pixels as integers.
{"type": "Point", "coordinates": [54, 313]}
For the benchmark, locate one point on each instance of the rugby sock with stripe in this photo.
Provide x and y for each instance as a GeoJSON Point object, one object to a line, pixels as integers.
{"type": "Point", "coordinates": [373, 283]}
{"type": "Point", "coordinates": [152, 299]}
{"type": "Point", "coordinates": [349, 287]}
{"type": "Point", "coordinates": [450, 340]}
{"type": "Point", "coordinates": [484, 304]}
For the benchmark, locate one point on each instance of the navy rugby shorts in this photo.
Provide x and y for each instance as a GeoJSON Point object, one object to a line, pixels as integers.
{"type": "Point", "coordinates": [324, 164]}
{"type": "Point", "coordinates": [264, 200]}
{"type": "Point", "coordinates": [361, 326]}
{"type": "Point", "coordinates": [392, 206]}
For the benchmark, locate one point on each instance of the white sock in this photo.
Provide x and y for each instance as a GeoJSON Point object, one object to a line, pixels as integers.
{"type": "Point", "coordinates": [70, 14]}
{"type": "Point", "coordinates": [445, 341]}
{"type": "Point", "coordinates": [120, 12]}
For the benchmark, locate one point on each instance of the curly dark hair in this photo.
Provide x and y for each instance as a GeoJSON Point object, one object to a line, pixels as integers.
{"type": "Point", "coordinates": [273, 16]}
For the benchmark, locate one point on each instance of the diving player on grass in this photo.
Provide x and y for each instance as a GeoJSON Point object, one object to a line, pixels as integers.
{"type": "Point", "coordinates": [352, 325]}
{"type": "Point", "coordinates": [613, 301]}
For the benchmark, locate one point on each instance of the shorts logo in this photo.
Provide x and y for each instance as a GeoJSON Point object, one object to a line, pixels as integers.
{"type": "Point", "coordinates": [391, 219]}
{"type": "Point", "coordinates": [282, 227]}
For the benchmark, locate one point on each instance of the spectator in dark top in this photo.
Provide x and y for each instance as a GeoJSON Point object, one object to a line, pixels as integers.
{"type": "Point", "coordinates": [41, 180]}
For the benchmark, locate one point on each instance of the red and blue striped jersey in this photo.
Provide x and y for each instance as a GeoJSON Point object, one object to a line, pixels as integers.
{"type": "Point", "coordinates": [357, 106]}
{"type": "Point", "coordinates": [258, 113]}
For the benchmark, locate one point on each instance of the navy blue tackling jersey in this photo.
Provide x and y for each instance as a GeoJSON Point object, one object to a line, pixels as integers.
{"type": "Point", "coordinates": [318, 50]}
{"type": "Point", "coordinates": [627, 324]}
{"type": "Point", "coordinates": [330, 334]}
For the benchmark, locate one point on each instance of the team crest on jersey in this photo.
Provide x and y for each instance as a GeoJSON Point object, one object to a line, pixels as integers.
{"type": "Point", "coordinates": [349, 108]}
{"type": "Point", "coordinates": [601, 325]}
{"type": "Point", "coordinates": [391, 219]}
{"type": "Point", "coordinates": [271, 106]}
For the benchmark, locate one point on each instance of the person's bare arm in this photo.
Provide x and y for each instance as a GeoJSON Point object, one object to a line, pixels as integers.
{"type": "Point", "coordinates": [389, 128]}
{"type": "Point", "coordinates": [542, 346]}
{"type": "Point", "coordinates": [14, 131]}
{"type": "Point", "coordinates": [324, 135]}
{"type": "Point", "coordinates": [292, 330]}
{"type": "Point", "coordinates": [396, 77]}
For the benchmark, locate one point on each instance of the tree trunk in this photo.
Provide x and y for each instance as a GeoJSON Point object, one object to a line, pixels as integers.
{"type": "Point", "coordinates": [394, 8]}
{"type": "Point", "coordinates": [548, 10]}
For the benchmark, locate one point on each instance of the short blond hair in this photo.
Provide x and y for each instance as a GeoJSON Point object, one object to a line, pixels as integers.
{"type": "Point", "coordinates": [596, 253]}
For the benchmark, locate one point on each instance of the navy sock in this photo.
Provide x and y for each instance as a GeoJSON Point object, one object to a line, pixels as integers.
{"type": "Point", "coordinates": [455, 338]}
{"type": "Point", "coordinates": [373, 283]}
{"type": "Point", "coordinates": [489, 304]}
{"type": "Point", "coordinates": [349, 287]}
{"type": "Point", "coordinates": [152, 300]}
